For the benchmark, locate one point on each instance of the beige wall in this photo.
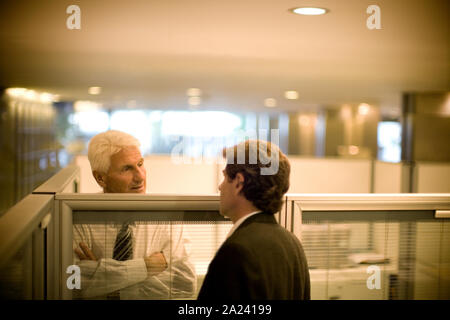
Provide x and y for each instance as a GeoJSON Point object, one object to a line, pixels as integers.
{"type": "Point", "coordinates": [426, 126]}
{"type": "Point", "coordinates": [346, 126]}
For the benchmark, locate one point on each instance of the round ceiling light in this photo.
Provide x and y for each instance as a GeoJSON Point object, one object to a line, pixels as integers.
{"type": "Point", "coordinates": [309, 11]}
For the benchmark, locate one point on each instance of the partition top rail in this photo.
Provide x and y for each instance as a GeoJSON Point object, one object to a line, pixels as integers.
{"type": "Point", "coordinates": [136, 197]}
{"type": "Point", "coordinates": [365, 202]}
{"type": "Point", "coordinates": [19, 222]}
{"type": "Point", "coordinates": [129, 201]}
{"type": "Point", "coordinates": [59, 181]}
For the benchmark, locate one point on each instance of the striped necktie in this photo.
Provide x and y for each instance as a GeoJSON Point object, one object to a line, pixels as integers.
{"type": "Point", "coordinates": [123, 247]}
{"type": "Point", "coordinates": [123, 250]}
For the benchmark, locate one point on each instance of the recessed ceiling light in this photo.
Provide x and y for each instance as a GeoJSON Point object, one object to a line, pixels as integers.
{"type": "Point", "coordinates": [95, 90]}
{"type": "Point", "coordinates": [291, 95]}
{"type": "Point", "coordinates": [270, 103]}
{"type": "Point", "coordinates": [363, 109]}
{"type": "Point", "coordinates": [193, 92]}
{"type": "Point", "coordinates": [194, 101]}
{"type": "Point", "coordinates": [309, 11]}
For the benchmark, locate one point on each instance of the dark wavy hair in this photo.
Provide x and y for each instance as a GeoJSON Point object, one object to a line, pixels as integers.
{"type": "Point", "coordinates": [264, 191]}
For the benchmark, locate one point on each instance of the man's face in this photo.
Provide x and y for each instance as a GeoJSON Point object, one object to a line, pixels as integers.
{"type": "Point", "coordinates": [126, 173]}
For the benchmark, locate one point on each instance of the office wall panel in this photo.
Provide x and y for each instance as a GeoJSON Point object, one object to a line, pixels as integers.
{"type": "Point", "coordinates": [432, 177]}
{"type": "Point", "coordinates": [330, 175]}
{"type": "Point", "coordinates": [387, 177]}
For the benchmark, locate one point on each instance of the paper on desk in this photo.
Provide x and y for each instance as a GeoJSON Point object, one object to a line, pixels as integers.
{"type": "Point", "coordinates": [368, 258]}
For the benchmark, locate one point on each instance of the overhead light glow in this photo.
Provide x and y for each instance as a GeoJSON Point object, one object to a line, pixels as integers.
{"type": "Point", "coordinates": [291, 95]}
{"type": "Point", "coordinates": [46, 97]}
{"type": "Point", "coordinates": [270, 103]}
{"type": "Point", "coordinates": [194, 101]}
{"type": "Point", "coordinates": [363, 109]}
{"type": "Point", "coordinates": [83, 106]}
{"type": "Point", "coordinates": [16, 92]}
{"type": "Point", "coordinates": [32, 95]}
{"type": "Point", "coordinates": [193, 92]}
{"type": "Point", "coordinates": [309, 11]}
{"type": "Point", "coordinates": [95, 90]}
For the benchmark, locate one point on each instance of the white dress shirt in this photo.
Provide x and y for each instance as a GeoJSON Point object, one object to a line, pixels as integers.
{"type": "Point", "coordinates": [240, 221]}
{"type": "Point", "coordinates": [106, 275]}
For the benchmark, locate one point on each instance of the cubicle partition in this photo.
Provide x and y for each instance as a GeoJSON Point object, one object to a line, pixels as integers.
{"type": "Point", "coordinates": [358, 246]}
{"type": "Point", "coordinates": [429, 177]}
{"type": "Point", "coordinates": [193, 220]}
{"type": "Point", "coordinates": [374, 246]}
{"type": "Point", "coordinates": [29, 241]}
{"type": "Point", "coordinates": [330, 175]}
{"type": "Point", "coordinates": [23, 242]}
{"type": "Point", "coordinates": [308, 175]}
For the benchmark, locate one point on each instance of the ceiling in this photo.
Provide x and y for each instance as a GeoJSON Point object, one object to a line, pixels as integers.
{"type": "Point", "coordinates": [238, 52]}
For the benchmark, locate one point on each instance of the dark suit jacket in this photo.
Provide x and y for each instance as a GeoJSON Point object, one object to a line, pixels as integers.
{"type": "Point", "coordinates": [260, 261]}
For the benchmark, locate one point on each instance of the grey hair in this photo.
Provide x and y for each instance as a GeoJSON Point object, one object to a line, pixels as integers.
{"type": "Point", "coordinates": [105, 144]}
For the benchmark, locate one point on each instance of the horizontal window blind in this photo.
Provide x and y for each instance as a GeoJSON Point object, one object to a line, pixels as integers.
{"type": "Point", "coordinates": [188, 246]}
{"type": "Point", "coordinates": [377, 256]}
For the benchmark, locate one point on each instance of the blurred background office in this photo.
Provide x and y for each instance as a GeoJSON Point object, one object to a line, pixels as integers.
{"type": "Point", "coordinates": [359, 93]}
{"type": "Point", "coordinates": [200, 72]}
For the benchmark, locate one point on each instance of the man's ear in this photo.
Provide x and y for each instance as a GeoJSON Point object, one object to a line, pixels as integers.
{"type": "Point", "coordinates": [100, 178]}
{"type": "Point", "coordinates": [239, 182]}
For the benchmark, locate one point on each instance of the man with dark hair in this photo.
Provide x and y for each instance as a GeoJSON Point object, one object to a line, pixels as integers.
{"type": "Point", "coordinates": [260, 260]}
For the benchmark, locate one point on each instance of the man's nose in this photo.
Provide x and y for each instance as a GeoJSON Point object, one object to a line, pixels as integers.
{"type": "Point", "coordinates": [139, 174]}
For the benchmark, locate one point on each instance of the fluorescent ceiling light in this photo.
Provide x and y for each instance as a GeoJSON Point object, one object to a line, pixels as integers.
{"type": "Point", "coordinates": [32, 95]}
{"type": "Point", "coordinates": [309, 11]}
{"type": "Point", "coordinates": [193, 92]}
{"type": "Point", "coordinates": [291, 95]}
{"type": "Point", "coordinates": [95, 90]}
{"type": "Point", "coordinates": [270, 103]}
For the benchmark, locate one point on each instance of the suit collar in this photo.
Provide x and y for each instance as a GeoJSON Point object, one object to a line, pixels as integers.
{"type": "Point", "coordinates": [260, 217]}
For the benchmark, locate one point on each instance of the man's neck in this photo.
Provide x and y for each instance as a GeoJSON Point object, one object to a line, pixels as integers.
{"type": "Point", "coordinates": [243, 212]}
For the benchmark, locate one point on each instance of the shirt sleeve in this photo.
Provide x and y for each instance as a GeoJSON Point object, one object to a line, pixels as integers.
{"type": "Point", "coordinates": [99, 278]}
{"type": "Point", "coordinates": [179, 280]}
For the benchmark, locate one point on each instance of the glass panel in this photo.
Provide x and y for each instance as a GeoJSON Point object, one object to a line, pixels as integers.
{"type": "Point", "coordinates": [181, 239]}
{"type": "Point", "coordinates": [382, 258]}
{"type": "Point", "coordinates": [16, 276]}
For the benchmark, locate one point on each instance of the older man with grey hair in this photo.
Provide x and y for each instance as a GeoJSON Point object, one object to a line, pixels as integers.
{"type": "Point", "coordinates": [129, 260]}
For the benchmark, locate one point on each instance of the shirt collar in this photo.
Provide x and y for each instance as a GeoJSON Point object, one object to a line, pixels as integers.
{"type": "Point", "coordinates": [240, 221]}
